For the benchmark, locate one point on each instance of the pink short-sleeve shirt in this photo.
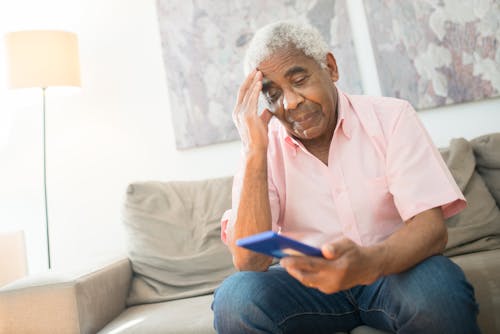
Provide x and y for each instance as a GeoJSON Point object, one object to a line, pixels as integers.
{"type": "Point", "coordinates": [383, 169]}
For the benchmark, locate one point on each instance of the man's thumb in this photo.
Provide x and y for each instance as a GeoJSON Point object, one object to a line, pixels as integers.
{"type": "Point", "coordinates": [337, 249]}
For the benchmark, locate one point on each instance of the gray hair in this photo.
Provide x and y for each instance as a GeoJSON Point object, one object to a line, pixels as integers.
{"type": "Point", "coordinates": [272, 37]}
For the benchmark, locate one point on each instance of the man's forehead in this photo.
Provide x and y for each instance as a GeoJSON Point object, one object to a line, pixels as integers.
{"type": "Point", "coordinates": [285, 58]}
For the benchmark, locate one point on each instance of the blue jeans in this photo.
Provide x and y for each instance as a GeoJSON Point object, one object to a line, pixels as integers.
{"type": "Point", "coordinates": [432, 297]}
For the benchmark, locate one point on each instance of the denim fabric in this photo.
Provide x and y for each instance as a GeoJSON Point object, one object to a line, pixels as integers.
{"type": "Point", "coordinates": [432, 297]}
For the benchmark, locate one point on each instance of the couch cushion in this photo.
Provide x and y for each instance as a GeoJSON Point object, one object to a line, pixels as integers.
{"type": "Point", "coordinates": [173, 238]}
{"type": "Point", "coordinates": [487, 151]}
{"type": "Point", "coordinates": [483, 272]}
{"type": "Point", "coordinates": [191, 315]}
{"type": "Point", "coordinates": [477, 227]}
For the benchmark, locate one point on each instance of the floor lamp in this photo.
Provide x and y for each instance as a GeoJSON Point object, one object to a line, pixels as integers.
{"type": "Point", "coordinates": [42, 59]}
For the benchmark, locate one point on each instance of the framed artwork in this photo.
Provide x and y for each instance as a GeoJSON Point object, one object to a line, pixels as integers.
{"type": "Point", "coordinates": [436, 52]}
{"type": "Point", "coordinates": [203, 45]}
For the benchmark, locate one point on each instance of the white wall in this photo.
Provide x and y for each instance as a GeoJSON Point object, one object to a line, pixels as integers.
{"type": "Point", "coordinates": [117, 128]}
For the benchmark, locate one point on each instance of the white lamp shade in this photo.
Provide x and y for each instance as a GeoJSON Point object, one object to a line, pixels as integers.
{"type": "Point", "coordinates": [42, 59]}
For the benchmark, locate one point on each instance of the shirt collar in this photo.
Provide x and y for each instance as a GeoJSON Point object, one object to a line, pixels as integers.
{"type": "Point", "coordinates": [344, 122]}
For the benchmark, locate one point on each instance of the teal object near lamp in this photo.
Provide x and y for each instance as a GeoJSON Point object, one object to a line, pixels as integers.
{"type": "Point", "coordinates": [42, 59]}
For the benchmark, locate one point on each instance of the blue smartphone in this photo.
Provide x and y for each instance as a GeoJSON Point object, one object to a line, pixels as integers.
{"type": "Point", "coordinates": [276, 245]}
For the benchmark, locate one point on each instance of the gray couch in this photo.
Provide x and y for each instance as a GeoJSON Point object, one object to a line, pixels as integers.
{"type": "Point", "coordinates": [175, 258]}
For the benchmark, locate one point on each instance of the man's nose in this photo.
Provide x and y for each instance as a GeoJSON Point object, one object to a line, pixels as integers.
{"type": "Point", "coordinates": [291, 99]}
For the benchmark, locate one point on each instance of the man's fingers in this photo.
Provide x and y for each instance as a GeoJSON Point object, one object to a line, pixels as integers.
{"type": "Point", "coordinates": [305, 263]}
{"type": "Point", "coordinates": [253, 99]}
{"type": "Point", "coordinates": [244, 86]}
{"type": "Point", "coordinates": [337, 249]}
{"type": "Point", "coordinates": [249, 88]}
{"type": "Point", "coordinates": [243, 94]}
{"type": "Point", "coordinates": [307, 278]}
{"type": "Point", "coordinates": [253, 91]}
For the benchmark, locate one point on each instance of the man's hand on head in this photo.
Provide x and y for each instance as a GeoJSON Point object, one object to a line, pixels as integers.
{"type": "Point", "coordinates": [251, 125]}
{"type": "Point", "coordinates": [345, 265]}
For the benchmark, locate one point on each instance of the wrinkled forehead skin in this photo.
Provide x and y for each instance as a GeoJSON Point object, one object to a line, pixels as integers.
{"type": "Point", "coordinates": [286, 62]}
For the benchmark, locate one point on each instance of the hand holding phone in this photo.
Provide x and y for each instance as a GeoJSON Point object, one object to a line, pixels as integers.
{"type": "Point", "coordinates": [277, 245]}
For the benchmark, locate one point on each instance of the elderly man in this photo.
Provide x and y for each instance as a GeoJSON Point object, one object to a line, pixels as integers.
{"type": "Point", "coordinates": [357, 176]}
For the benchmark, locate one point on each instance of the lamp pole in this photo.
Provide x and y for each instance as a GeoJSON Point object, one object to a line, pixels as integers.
{"type": "Point", "coordinates": [45, 181]}
{"type": "Point", "coordinates": [42, 59]}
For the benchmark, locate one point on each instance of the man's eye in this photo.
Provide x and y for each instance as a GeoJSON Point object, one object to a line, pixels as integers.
{"type": "Point", "coordinates": [300, 81]}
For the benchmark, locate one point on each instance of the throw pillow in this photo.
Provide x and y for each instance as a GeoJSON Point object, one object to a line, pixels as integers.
{"type": "Point", "coordinates": [173, 238]}
{"type": "Point", "coordinates": [477, 227]}
{"type": "Point", "coordinates": [487, 151]}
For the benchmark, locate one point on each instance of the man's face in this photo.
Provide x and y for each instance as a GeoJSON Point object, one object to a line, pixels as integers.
{"type": "Point", "coordinates": [300, 93]}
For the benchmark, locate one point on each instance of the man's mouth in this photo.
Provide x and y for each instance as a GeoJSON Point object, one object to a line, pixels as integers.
{"type": "Point", "coordinates": [302, 119]}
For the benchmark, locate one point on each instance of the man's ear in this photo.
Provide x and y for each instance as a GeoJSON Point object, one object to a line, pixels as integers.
{"type": "Point", "coordinates": [331, 65]}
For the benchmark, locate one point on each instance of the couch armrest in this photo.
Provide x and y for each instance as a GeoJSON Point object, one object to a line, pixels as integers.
{"type": "Point", "coordinates": [54, 303]}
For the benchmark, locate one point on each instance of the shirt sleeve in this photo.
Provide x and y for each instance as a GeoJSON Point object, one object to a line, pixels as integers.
{"type": "Point", "coordinates": [229, 216]}
{"type": "Point", "coordinates": [417, 175]}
